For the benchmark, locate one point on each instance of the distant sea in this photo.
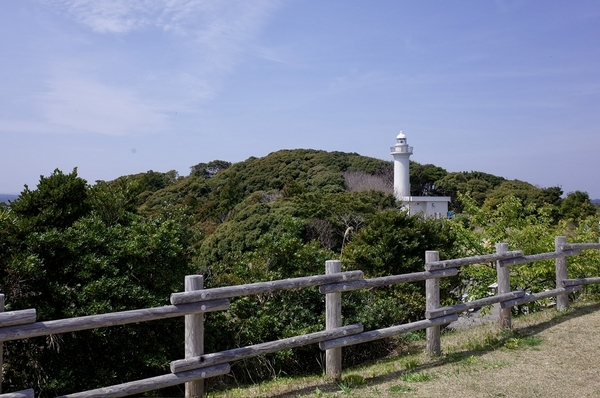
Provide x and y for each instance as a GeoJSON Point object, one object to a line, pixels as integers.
{"type": "Point", "coordinates": [6, 197]}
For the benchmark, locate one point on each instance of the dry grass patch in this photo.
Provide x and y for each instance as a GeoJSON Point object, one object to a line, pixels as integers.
{"type": "Point", "coordinates": [547, 354]}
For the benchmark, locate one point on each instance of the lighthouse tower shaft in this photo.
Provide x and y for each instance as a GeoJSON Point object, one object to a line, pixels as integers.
{"type": "Point", "coordinates": [401, 153]}
{"type": "Point", "coordinates": [428, 206]}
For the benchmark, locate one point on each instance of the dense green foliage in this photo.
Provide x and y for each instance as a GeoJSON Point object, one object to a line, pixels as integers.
{"type": "Point", "coordinates": [70, 249]}
{"type": "Point", "coordinates": [66, 255]}
{"type": "Point", "coordinates": [525, 227]}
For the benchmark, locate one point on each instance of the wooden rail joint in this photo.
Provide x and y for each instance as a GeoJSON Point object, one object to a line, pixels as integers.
{"type": "Point", "coordinates": [67, 325]}
{"type": "Point", "coordinates": [456, 308]}
{"type": "Point", "coordinates": [386, 281]}
{"type": "Point", "coordinates": [263, 287]}
{"type": "Point", "coordinates": [235, 354]}
{"type": "Point", "coordinates": [461, 262]}
{"type": "Point", "coordinates": [391, 331]}
{"type": "Point", "coordinates": [538, 296]}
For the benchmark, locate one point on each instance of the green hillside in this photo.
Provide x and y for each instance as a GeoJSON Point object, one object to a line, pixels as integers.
{"type": "Point", "coordinates": [68, 249]}
{"type": "Point", "coordinates": [213, 190]}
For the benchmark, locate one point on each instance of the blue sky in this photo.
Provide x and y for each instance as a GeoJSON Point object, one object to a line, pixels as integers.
{"type": "Point", "coordinates": [115, 87]}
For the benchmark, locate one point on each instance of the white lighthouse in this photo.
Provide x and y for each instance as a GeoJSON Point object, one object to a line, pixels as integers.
{"type": "Point", "coordinates": [429, 206]}
{"type": "Point", "coordinates": [401, 153]}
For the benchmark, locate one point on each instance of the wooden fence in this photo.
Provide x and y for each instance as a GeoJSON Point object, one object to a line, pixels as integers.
{"type": "Point", "coordinates": [195, 301]}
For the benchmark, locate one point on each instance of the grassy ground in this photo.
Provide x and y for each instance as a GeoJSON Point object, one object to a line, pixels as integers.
{"type": "Point", "coordinates": [547, 354]}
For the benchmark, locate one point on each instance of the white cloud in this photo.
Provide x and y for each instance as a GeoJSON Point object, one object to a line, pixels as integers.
{"type": "Point", "coordinates": [80, 105]}
{"type": "Point", "coordinates": [208, 21]}
{"type": "Point", "coordinates": [100, 89]}
{"type": "Point", "coordinates": [110, 16]}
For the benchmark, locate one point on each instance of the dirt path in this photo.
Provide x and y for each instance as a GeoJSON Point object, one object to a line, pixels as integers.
{"type": "Point", "coordinates": [548, 354]}
{"type": "Point", "coordinates": [558, 357]}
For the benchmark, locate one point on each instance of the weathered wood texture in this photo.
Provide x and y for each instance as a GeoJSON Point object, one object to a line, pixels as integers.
{"type": "Point", "coordinates": [503, 280]}
{"type": "Point", "coordinates": [110, 319]}
{"type": "Point", "coordinates": [333, 320]}
{"type": "Point", "coordinates": [29, 393]}
{"type": "Point", "coordinates": [580, 281]}
{"type": "Point", "coordinates": [432, 302]}
{"type": "Point", "coordinates": [580, 246]}
{"type": "Point", "coordinates": [456, 308]}
{"type": "Point", "coordinates": [562, 300]}
{"type": "Point", "coordinates": [263, 287]}
{"type": "Point", "coordinates": [386, 332]}
{"type": "Point", "coordinates": [11, 318]}
{"type": "Point", "coordinates": [194, 336]}
{"type": "Point", "coordinates": [538, 296]}
{"type": "Point", "coordinates": [537, 257]}
{"type": "Point", "coordinates": [461, 262]}
{"type": "Point", "coordinates": [237, 354]}
{"type": "Point", "coordinates": [387, 281]}
{"type": "Point", "coordinates": [153, 383]}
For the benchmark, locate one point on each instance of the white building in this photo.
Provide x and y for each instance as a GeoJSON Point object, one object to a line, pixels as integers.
{"type": "Point", "coordinates": [430, 206]}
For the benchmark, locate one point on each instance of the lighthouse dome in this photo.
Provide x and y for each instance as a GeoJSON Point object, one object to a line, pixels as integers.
{"type": "Point", "coordinates": [401, 136]}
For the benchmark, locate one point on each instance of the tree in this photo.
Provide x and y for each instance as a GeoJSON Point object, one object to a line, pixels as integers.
{"type": "Point", "coordinates": [210, 169]}
{"type": "Point", "coordinates": [525, 192]}
{"type": "Point", "coordinates": [393, 243]}
{"type": "Point", "coordinates": [530, 228]}
{"type": "Point", "coordinates": [58, 202]}
{"type": "Point", "coordinates": [64, 258]}
{"type": "Point", "coordinates": [113, 202]}
{"type": "Point", "coordinates": [474, 183]}
{"type": "Point", "coordinates": [577, 206]}
{"type": "Point", "coordinates": [423, 179]}
{"type": "Point", "coordinates": [551, 196]}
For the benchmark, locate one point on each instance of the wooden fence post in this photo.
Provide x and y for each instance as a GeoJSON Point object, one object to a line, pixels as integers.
{"type": "Point", "coordinates": [333, 319]}
{"type": "Point", "coordinates": [562, 300]}
{"type": "Point", "coordinates": [432, 301]}
{"type": "Point", "coordinates": [194, 337]}
{"type": "Point", "coordinates": [503, 273]}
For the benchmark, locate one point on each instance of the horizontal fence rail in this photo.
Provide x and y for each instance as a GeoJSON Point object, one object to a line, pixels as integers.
{"type": "Point", "coordinates": [537, 257]}
{"type": "Point", "coordinates": [263, 287]}
{"type": "Point", "coordinates": [153, 383]}
{"type": "Point", "coordinates": [539, 296]}
{"type": "Point", "coordinates": [386, 281]}
{"type": "Point", "coordinates": [105, 320]}
{"type": "Point", "coordinates": [386, 332]}
{"type": "Point", "coordinates": [461, 262]}
{"type": "Point", "coordinates": [237, 354]}
{"type": "Point", "coordinates": [11, 318]}
{"type": "Point", "coordinates": [469, 305]}
{"type": "Point", "coordinates": [29, 393]}
{"type": "Point", "coordinates": [196, 301]}
{"type": "Point", "coordinates": [580, 281]}
{"type": "Point", "coordinates": [579, 246]}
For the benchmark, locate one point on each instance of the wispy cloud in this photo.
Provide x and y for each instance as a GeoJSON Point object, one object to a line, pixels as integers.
{"type": "Point", "coordinates": [207, 39]}
{"type": "Point", "coordinates": [113, 16]}
{"type": "Point", "coordinates": [83, 105]}
{"type": "Point", "coordinates": [215, 31]}
{"type": "Point", "coordinates": [208, 22]}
